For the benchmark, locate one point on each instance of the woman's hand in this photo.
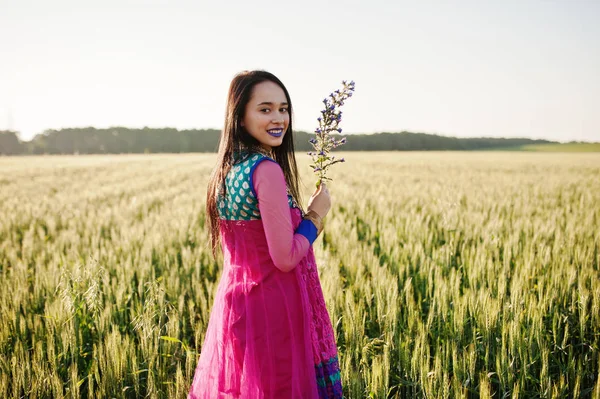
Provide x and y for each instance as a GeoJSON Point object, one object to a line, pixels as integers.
{"type": "Point", "coordinates": [320, 202]}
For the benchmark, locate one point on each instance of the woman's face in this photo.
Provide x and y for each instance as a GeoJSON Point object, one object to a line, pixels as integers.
{"type": "Point", "coordinates": [266, 116]}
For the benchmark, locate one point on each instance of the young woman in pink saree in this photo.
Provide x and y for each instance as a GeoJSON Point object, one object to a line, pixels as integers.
{"type": "Point", "coordinates": [269, 334]}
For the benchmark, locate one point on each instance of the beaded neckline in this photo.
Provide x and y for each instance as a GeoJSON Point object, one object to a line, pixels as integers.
{"type": "Point", "coordinates": [255, 150]}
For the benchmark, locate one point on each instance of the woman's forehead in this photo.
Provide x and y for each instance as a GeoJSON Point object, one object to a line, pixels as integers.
{"type": "Point", "coordinates": [268, 92]}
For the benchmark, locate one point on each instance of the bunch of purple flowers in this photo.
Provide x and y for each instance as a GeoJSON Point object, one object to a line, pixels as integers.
{"type": "Point", "coordinates": [329, 122]}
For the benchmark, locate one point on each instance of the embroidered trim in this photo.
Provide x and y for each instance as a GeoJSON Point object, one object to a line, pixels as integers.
{"type": "Point", "coordinates": [329, 383]}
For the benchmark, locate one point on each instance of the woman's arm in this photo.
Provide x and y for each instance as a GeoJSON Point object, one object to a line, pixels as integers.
{"type": "Point", "coordinates": [286, 247]}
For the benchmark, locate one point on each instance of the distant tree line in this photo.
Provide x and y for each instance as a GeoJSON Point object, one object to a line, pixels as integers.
{"type": "Point", "coordinates": [117, 140]}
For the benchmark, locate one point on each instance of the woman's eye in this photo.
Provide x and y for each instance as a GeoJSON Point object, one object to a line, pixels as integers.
{"type": "Point", "coordinates": [265, 110]}
{"type": "Point", "coordinates": [283, 110]}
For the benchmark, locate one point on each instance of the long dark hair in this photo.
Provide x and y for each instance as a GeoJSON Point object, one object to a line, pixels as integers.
{"type": "Point", "coordinates": [235, 138]}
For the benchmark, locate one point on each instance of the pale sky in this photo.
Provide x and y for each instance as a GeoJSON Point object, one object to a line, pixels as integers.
{"type": "Point", "coordinates": [458, 68]}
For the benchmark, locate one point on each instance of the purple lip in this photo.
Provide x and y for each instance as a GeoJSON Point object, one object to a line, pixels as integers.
{"type": "Point", "coordinates": [275, 134]}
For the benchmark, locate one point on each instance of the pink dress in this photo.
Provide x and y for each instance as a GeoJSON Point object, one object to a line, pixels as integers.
{"type": "Point", "coordinates": [269, 334]}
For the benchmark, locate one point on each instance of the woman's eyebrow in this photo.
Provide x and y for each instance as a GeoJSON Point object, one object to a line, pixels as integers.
{"type": "Point", "coordinates": [269, 103]}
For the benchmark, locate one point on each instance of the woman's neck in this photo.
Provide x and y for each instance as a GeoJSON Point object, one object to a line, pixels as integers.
{"type": "Point", "coordinates": [262, 150]}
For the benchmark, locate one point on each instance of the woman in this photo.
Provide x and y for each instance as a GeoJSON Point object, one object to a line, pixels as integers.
{"type": "Point", "coordinates": [269, 334]}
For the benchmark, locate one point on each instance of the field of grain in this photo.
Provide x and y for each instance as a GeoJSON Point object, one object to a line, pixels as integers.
{"type": "Point", "coordinates": [445, 274]}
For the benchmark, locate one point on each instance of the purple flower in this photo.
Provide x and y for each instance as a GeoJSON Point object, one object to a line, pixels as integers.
{"type": "Point", "coordinates": [329, 121]}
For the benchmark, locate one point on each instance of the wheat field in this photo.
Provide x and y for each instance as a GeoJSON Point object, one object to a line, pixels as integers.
{"type": "Point", "coordinates": [446, 274]}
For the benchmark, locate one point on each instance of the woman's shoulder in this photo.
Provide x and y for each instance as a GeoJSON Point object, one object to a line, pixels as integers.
{"type": "Point", "coordinates": [242, 170]}
{"type": "Point", "coordinates": [245, 164]}
{"type": "Point", "coordinates": [241, 199]}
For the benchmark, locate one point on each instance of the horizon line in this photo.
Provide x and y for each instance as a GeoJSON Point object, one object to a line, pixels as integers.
{"type": "Point", "coordinates": [18, 133]}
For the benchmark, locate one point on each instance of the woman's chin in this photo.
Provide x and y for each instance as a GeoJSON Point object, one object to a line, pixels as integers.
{"type": "Point", "coordinates": [275, 141]}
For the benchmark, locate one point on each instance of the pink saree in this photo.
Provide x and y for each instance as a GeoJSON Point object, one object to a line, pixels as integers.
{"type": "Point", "coordinates": [269, 334]}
